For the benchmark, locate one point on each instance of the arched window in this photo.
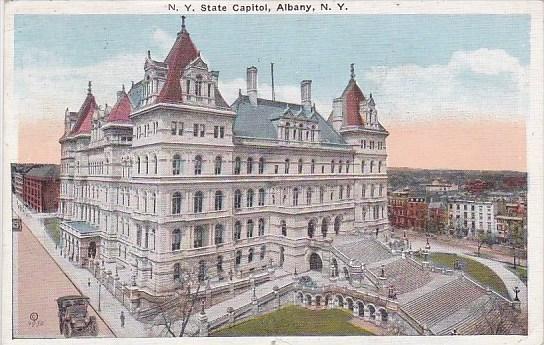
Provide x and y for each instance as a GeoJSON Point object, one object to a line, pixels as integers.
{"type": "Point", "coordinates": [261, 227]}
{"type": "Point", "coordinates": [309, 196]}
{"type": "Point", "coordinates": [138, 235]}
{"type": "Point", "coordinates": [198, 165]}
{"type": "Point", "coordinates": [154, 202]}
{"type": "Point", "coordinates": [261, 197]}
{"type": "Point", "coordinates": [249, 228]}
{"type": "Point", "coordinates": [238, 257]}
{"type": "Point", "coordinates": [332, 166]}
{"type": "Point", "coordinates": [300, 132]}
{"type": "Point", "coordinates": [347, 167]}
{"type": "Point", "coordinates": [311, 228]}
{"type": "Point", "coordinates": [249, 198]}
{"type": "Point", "coordinates": [261, 165]}
{"type": "Point", "coordinates": [146, 162]}
{"type": "Point", "coordinates": [286, 167]}
{"type": "Point", "coordinates": [249, 167]}
{"type": "Point", "coordinates": [145, 202]}
{"type": "Point", "coordinates": [237, 199]}
{"type": "Point", "coordinates": [197, 204]}
{"type": "Point", "coordinates": [312, 167]}
{"type": "Point", "coordinates": [371, 167]}
{"type": "Point", "coordinates": [300, 166]}
{"type": "Point", "coordinates": [286, 136]}
{"type": "Point", "coordinates": [237, 230]}
{"type": "Point", "coordinates": [176, 203]}
{"type": "Point", "coordinates": [218, 165]}
{"type": "Point", "coordinates": [250, 255]}
{"type": "Point", "coordinates": [199, 237]}
{"type": "Point", "coordinates": [381, 190]}
{"type": "Point", "coordinates": [341, 196]}
{"type": "Point", "coordinates": [218, 233]}
{"type": "Point", "coordinates": [348, 191]}
{"type": "Point", "coordinates": [283, 226]}
{"type": "Point", "coordinates": [263, 252]}
{"type": "Point", "coordinates": [177, 272]}
{"type": "Point", "coordinates": [324, 226]}
{"type": "Point", "coordinates": [218, 200]}
{"type": "Point", "coordinates": [176, 239]}
{"type": "Point", "coordinates": [321, 194]}
{"type": "Point", "coordinates": [237, 165]}
{"type": "Point", "coordinates": [363, 167]}
{"type": "Point", "coordinates": [379, 166]}
{"type": "Point", "coordinates": [337, 224]}
{"type": "Point", "coordinates": [340, 167]}
{"type": "Point", "coordinates": [176, 165]}
{"type": "Point", "coordinates": [295, 197]}
{"type": "Point", "coordinates": [155, 165]}
{"type": "Point", "coordinates": [363, 191]}
{"type": "Point", "coordinates": [138, 165]}
{"type": "Point", "coordinates": [198, 85]}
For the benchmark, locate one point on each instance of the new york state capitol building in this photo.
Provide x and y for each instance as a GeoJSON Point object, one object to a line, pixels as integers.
{"type": "Point", "coordinates": [173, 179]}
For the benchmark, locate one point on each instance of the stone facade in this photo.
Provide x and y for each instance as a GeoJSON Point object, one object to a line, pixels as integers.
{"type": "Point", "coordinates": [175, 180]}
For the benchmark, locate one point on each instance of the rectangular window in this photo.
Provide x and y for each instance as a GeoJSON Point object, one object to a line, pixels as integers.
{"type": "Point", "coordinates": [216, 131]}
{"type": "Point", "coordinates": [202, 130]}
{"type": "Point", "coordinates": [174, 128]}
{"type": "Point", "coordinates": [180, 128]}
{"type": "Point", "coordinates": [195, 130]}
{"type": "Point", "coordinates": [221, 132]}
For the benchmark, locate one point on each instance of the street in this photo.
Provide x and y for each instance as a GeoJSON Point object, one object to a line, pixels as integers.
{"type": "Point", "coordinates": [38, 283]}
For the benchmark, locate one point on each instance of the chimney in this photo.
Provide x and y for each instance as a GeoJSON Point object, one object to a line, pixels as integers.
{"type": "Point", "coordinates": [215, 76]}
{"type": "Point", "coordinates": [306, 95]}
{"type": "Point", "coordinates": [252, 84]}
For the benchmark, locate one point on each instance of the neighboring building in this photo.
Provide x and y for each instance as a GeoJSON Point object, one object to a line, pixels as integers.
{"type": "Point", "coordinates": [408, 210]}
{"type": "Point", "coordinates": [172, 178]}
{"type": "Point", "coordinates": [437, 219]}
{"type": "Point", "coordinates": [507, 224]}
{"type": "Point", "coordinates": [477, 186]}
{"type": "Point", "coordinates": [440, 186]}
{"type": "Point", "coordinates": [18, 178]}
{"type": "Point", "coordinates": [41, 188]}
{"type": "Point", "coordinates": [472, 216]}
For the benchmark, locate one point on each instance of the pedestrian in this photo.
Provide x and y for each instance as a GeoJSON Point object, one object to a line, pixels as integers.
{"type": "Point", "coordinates": [122, 317]}
{"type": "Point", "coordinates": [89, 282]}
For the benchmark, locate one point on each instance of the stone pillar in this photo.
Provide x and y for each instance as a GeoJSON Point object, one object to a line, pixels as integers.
{"type": "Point", "coordinates": [366, 313]}
{"type": "Point", "coordinates": [355, 309]}
{"type": "Point", "coordinates": [377, 317]}
{"type": "Point", "coordinates": [203, 324]}
{"type": "Point", "coordinates": [313, 303]}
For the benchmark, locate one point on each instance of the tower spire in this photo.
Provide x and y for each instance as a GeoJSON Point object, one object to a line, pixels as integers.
{"type": "Point", "coordinates": [183, 24]}
{"type": "Point", "coordinates": [352, 70]}
{"type": "Point", "coordinates": [89, 89]}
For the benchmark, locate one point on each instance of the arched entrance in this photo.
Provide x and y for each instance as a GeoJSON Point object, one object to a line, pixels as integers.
{"type": "Point", "coordinates": [91, 252]}
{"type": "Point", "coordinates": [315, 262]}
{"type": "Point", "coordinates": [361, 309]}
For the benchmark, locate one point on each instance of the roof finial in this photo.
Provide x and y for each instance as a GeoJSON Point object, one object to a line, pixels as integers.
{"type": "Point", "coordinates": [149, 54]}
{"type": "Point", "coordinates": [123, 88]}
{"type": "Point", "coordinates": [182, 23]}
{"type": "Point", "coordinates": [90, 88]}
{"type": "Point", "coordinates": [352, 70]}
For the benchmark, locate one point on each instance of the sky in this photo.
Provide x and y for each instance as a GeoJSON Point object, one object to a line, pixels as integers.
{"type": "Point", "coordinates": [451, 90]}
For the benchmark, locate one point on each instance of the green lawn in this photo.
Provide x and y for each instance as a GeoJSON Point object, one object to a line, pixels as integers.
{"type": "Point", "coordinates": [521, 272]}
{"type": "Point", "coordinates": [477, 271]}
{"type": "Point", "coordinates": [53, 230]}
{"type": "Point", "coordinates": [293, 320]}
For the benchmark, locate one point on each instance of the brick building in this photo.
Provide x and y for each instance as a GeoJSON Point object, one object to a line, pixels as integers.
{"type": "Point", "coordinates": [407, 210]}
{"type": "Point", "coordinates": [41, 188]}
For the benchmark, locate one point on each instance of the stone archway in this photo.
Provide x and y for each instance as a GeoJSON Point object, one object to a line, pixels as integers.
{"type": "Point", "coordinates": [361, 308]}
{"type": "Point", "coordinates": [315, 262]}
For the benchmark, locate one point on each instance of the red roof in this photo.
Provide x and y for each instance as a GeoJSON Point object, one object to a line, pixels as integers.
{"type": "Point", "coordinates": [182, 53]}
{"type": "Point", "coordinates": [85, 115]}
{"type": "Point", "coordinates": [121, 110]}
{"type": "Point", "coordinates": [352, 97]}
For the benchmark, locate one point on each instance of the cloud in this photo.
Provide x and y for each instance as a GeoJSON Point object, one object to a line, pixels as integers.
{"type": "Point", "coordinates": [483, 82]}
{"type": "Point", "coordinates": [163, 39]}
{"type": "Point", "coordinates": [45, 90]}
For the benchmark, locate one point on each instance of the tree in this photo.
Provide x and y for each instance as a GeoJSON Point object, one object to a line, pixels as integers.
{"type": "Point", "coordinates": [516, 238]}
{"type": "Point", "coordinates": [483, 238]}
{"type": "Point", "coordinates": [500, 317]}
{"type": "Point", "coordinates": [172, 316]}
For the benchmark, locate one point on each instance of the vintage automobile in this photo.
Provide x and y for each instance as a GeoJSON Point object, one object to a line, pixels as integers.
{"type": "Point", "coordinates": [74, 319]}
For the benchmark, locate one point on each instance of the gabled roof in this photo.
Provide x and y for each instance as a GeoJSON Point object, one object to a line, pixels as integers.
{"type": "Point", "coordinates": [121, 110]}
{"type": "Point", "coordinates": [352, 97]}
{"type": "Point", "coordinates": [258, 121]}
{"type": "Point", "coordinates": [182, 53]}
{"type": "Point", "coordinates": [84, 115]}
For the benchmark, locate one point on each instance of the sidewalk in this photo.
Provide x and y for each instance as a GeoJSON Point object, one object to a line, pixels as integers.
{"type": "Point", "coordinates": [110, 307]}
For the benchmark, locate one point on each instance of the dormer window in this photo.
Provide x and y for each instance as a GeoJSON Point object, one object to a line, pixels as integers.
{"type": "Point", "coordinates": [188, 86]}
{"type": "Point", "coordinates": [198, 85]}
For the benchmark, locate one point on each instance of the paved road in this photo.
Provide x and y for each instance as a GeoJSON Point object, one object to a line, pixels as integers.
{"type": "Point", "coordinates": [38, 282]}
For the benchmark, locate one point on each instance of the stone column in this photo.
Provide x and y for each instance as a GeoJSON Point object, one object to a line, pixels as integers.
{"type": "Point", "coordinates": [366, 313]}
{"type": "Point", "coordinates": [355, 309]}
{"type": "Point", "coordinates": [203, 324]}
{"type": "Point", "coordinates": [378, 317]}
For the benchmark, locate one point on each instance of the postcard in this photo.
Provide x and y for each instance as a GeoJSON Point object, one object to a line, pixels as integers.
{"type": "Point", "coordinates": [272, 172]}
